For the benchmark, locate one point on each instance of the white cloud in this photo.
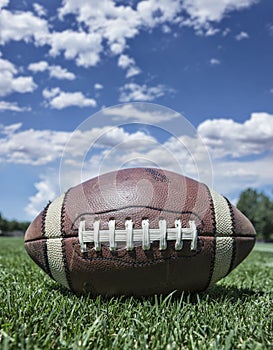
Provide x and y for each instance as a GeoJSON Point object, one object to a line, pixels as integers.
{"type": "Point", "coordinates": [153, 12]}
{"type": "Point", "coordinates": [225, 137]}
{"type": "Point", "coordinates": [135, 92]}
{"type": "Point", "coordinates": [38, 66]}
{"type": "Point", "coordinates": [10, 82]}
{"type": "Point", "coordinates": [54, 71]}
{"type": "Point", "coordinates": [233, 176]}
{"type": "Point", "coordinates": [85, 48]}
{"type": "Point", "coordinates": [60, 73]}
{"type": "Point", "coordinates": [89, 152]}
{"type": "Point", "coordinates": [135, 113]}
{"type": "Point", "coordinates": [41, 147]}
{"type": "Point", "coordinates": [115, 24]}
{"type": "Point", "coordinates": [129, 64]}
{"type": "Point", "coordinates": [203, 12]}
{"type": "Point", "coordinates": [229, 177]}
{"type": "Point", "coordinates": [12, 106]}
{"type": "Point", "coordinates": [115, 148]}
{"type": "Point", "coordinates": [98, 86]}
{"type": "Point", "coordinates": [4, 3]}
{"type": "Point", "coordinates": [109, 29]}
{"type": "Point", "coordinates": [34, 147]}
{"type": "Point", "coordinates": [132, 71]}
{"type": "Point", "coordinates": [241, 36]}
{"type": "Point", "coordinates": [39, 9]}
{"type": "Point", "coordinates": [23, 26]}
{"type": "Point", "coordinates": [125, 61]}
{"type": "Point", "coordinates": [59, 99]}
{"type": "Point", "coordinates": [49, 94]}
{"type": "Point", "coordinates": [214, 62]}
{"type": "Point", "coordinates": [46, 190]}
{"type": "Point", "coordinates": [166, 29]}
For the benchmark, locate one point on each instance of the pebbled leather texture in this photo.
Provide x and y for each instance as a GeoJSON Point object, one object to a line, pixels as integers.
{"type": "Point", "coordinates": [137, 194]}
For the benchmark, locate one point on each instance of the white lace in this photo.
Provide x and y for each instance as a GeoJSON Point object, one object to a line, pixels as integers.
{"type": "Point", "coordinates": [145, 235]}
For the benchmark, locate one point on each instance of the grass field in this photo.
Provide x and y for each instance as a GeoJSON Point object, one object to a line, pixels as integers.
{"type": "Point", "coordinates": [35, 313]}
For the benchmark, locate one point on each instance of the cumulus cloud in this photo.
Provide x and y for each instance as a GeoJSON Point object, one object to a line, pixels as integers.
{"type": "Point", "coordinates": [33, 147]}
{"type": "Point", "coordinates": [60, 73]}
{"type": "Point", "coordinates": [58, 99]}
{"type": "Point", "coordinates": [10, 82]}
{"type": "Point", "coordinates": [41, 147]}
{"type": "Point", "coordinates": [241, 152]}
{"type": "Point", "coordinates": [135, 92]}
{"type": "Point", "coordinates": [39, 9]}
{"type": "Point", "coordinates": [223, 137]}
{"type": "Point", "coordinates": [203, 12]}
{"type": "Point", "coordinates": [129, 64]}
{"type": "Point", "coordinates": [38, 66]}
{"type": "Point", "coordinates": [226, 137]}
{"type": "Point", "coordinates": [54, 71]}
{"type": "Point", "coordinates": [109, 29]}
{"type": "Point", "coordinates": [23, 26]}
{"type": "Point", "coordinates": [233, 176]}
{"type": "Point", "coordinates": [114, 24]}
{"type": "Point", "coordinates": [50, 93]}
{"type": "Point", "coordinates": [46, 190]}
{"type": "Point", "coordinates": [85, 48]}
{"type": "Point", "coordinates": [241, 36]}
{"type": "Point", "coordinates": [130, 112]}
{"type": "Point", "coordinates": [12, 106]}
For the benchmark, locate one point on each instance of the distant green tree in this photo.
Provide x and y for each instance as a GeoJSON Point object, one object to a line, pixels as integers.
{"type": "Point", "coordinates": [248, 203]}
{"type": "Point", "coordinates": [12, 225]}
{"type": "Point", "coordinates": [3, 224]}
{"type": "Point", "coordinates": [259, 209]}
{"type": "Point", "coordinates": [22, 226]}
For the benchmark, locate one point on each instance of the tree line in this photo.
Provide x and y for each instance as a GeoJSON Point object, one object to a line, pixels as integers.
{"type": "Point", "coordinates": [257, 206]}
{"type": "Point", "coordinates": [8, 226]}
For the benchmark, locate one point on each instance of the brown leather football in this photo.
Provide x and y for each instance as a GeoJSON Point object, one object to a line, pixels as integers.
{"type": "Point", "coordinates": [139, 231]}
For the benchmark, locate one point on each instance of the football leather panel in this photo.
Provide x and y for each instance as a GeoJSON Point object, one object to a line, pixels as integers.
{"type": "Point", "coordinates": [243, 246]}
{"type": "Point", "coordinates": [138, 193]}
{"type": "Point", "coordinates": [35, 229]}
{"type": "Point", "coordinates": [37, 250]}
{"type": "Point", "coordinates": [139, 272]}
{"type": "Point", "coordinates": [243, 226]}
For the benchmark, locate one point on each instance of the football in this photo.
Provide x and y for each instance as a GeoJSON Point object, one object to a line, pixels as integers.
{"type": "Point", "coordinates": [139, 231]}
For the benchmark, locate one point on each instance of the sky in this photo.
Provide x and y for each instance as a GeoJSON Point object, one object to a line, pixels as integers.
{"type": "Point", "coordinates": [89, 86]}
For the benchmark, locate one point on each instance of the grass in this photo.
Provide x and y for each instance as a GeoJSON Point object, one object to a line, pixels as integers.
{"type": "Point", "coordinates": [35, 313]}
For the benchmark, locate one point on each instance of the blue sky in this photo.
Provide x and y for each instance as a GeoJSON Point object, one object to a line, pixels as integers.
{"type": "Point", "coordinates": [71, 72]}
